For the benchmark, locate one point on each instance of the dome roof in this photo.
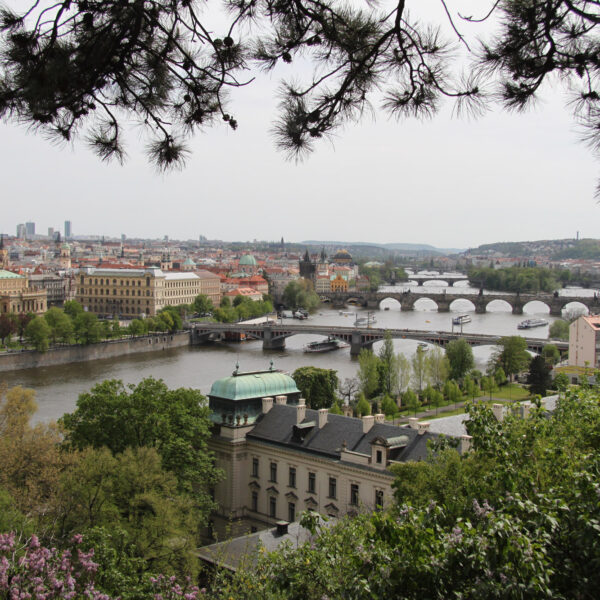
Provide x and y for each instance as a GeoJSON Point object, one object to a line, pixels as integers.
{"type": "Point", "coordinates": [248, 259]}
{"type": "Point", "coordinates": [342, 254]}
{"type": "Point", "coordinates": [189, 262]}
{"type": "Point", "coordinates": [253, 385]}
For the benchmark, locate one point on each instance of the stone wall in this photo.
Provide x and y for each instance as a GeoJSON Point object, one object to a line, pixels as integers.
{"type": "Point", "coordinates": [30, 359]}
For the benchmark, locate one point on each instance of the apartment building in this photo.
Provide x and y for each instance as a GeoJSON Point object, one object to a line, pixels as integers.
{"type": "Point", "coordinates": [584, 342]}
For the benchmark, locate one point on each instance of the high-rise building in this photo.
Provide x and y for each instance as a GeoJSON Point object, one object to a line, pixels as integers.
{"type": "Point", "coordinates": [29, 229]}
{"type": "Point", "coordinates": [68, 232]}
{"type": "Point", "coordinates": [51, 232]}
{"type": "Point", "coordinates": [21, 231]}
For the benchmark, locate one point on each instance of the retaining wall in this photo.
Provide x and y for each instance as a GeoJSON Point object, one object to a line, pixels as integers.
{"type": "Point", "coordinates": [30, 359]}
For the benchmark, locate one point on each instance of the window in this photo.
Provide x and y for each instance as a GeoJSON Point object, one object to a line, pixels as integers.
{"type": "Point", "coordinates": [378, 499]}
{"type": "Point", "coordinates": [255, 501]}
{"type": "Point", "coordinates": [273, 472]}
{"type": "Point", "coordinates": [332, 487]}
{"type": "Point", "coordinates": [272, 507]}
{"type": "Point", "coordinates": [255, 467]}
{"type": "Point", "coordinates": [354, 494]}
{"type": "Point", "coordinates": [379, 457]}
{"type": "Point", "coordinates": [291, 512]}
{"type": "Point", "coordinates": [292, 477]}
{"type": "Point", "coordinates": [312, 481]}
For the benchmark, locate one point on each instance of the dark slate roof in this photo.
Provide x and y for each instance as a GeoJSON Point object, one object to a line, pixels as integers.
{"type": "Point", "coordinates": [231, 553]}
{"type": "Point", "coordinates": [277, 427]}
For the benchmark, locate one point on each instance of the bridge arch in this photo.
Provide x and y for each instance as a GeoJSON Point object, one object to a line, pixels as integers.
{"type": "Point", "coordinates": [536, 307]}
{"type": "Point", "coordinates": [389, 303]}
{"type": "Point", "coordinates": [575, 309]}
{"type": "Point", "coordinates": [462, 305]}
{"type": "Point", "coordinates": [425, 304]}
{"type": "Point", "coordinates": [498, 305]}
{"type": "Point", "coordinates": [354, 301]}
{"type": "Point", "coordinates": [441, 282]}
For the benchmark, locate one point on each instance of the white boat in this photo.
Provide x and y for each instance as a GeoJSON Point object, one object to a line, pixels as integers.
{"type": "Point", "coordinates": [461, 320]}
{"type": "Point", "coordinates": [346, 313]}
{"type": "Point", "coordinates": [530, 323]}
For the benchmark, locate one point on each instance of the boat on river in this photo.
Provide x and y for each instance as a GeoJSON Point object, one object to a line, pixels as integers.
{"type": "Point", "coordinates": [461, 320]}
{"type": "Point", "coordinates": [530, 323]}
{"type": "Point", "coordinates": [362, 321]}
{"type": "Point", "coordinates": [326, 345]}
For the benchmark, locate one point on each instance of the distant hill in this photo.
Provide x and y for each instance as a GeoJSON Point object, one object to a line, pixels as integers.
{"type": "Point", "coordinates": [555, 249]}
{"type": "Point", "coordinates": [396, 248]}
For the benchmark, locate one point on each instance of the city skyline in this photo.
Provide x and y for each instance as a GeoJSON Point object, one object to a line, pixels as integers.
{"type": "Point", "coordinates": [446, 182]}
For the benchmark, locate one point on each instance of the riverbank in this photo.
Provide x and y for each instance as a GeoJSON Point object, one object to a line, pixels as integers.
{"type": "Point", "coordinates": [31, 359]}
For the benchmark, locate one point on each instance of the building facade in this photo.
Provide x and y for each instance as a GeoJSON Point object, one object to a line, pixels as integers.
{"type": "Point", "coordinates": [16, 296]}
{"type": "Point", "coordinates": [584, 342]}
{"type": "Point", "coordinates": [132, 293]}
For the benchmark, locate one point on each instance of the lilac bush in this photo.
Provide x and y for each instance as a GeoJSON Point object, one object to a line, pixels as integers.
{"type": "Point", "coordinates": [30, 571]}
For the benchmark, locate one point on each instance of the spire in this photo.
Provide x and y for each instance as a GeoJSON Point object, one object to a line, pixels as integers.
{"type": "Point", "coordinates": [306, 256]}
{"type": "Point", "coordinates": [1, 241]}
{"type": "Point", "coordinates": [323, 255]}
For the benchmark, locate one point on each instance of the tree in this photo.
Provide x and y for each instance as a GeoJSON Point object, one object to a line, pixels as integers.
{"type": "Point", "coordinates": [202, 305]}
{"type": "Point", "coordinates": [512, 354]}
{"type": "Point", "coordinates": [86, 68]}
{"type": "Point", "coordinates": [368, 373]}
{"type": "Point", "coordinates": [389, 406]}
{"type": "Point", "coordinates": [73, 308]}
{"type": "Point", "coordinates": [388, 367]}
{"type": "Point", "coordinates": [363, 408]}
{"type": "Point", "coordinates": [411, 401]}
{"type": "Point", "coordinates": [539, 377]}
{"type": "Point", "coordinates": [404, 372]}
{"type": "Point", "coordinates": [87, 328]}
{"type": "Point", "coordinates": [561, 382]}
{"type": "Point", "coordinates": [419, 368]}
{"type": "Point", "coordinates": [149, 414]}
{"type": "Point", "coordinates": [7, 327]}
{"type": "Point", "coordinates": [348, 389]}
{"type": "Point", "coordinates": [460, 358]}
{"type": "Point", "coordinates": [136, 327]}
{"type": "Point", "coordinates": [300, 294]}
{"type": "Point", "coordinates": [316, 385]}
{"type": "Point", "coordinates": [551, 354]}
{"type": "Point", "coordinates": [559, 330]}
{"type": "Point", "coordinates": [37, 333]}
{"type": "Point", "coordinates": [437, 366]}
{"type": "Point", "coordinates": [61, 325]}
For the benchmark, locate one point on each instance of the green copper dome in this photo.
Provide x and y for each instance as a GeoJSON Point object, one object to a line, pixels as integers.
{"type": "Point", "coordinates": [254, 385]}
{"type": "Point", "coordinates": [248, 260]}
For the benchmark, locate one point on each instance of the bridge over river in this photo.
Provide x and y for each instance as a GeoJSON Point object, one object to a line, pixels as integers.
{"type": "Point", "coordinates": [407, 300]}
{"type": "Point", "coordinates": [274, 335]}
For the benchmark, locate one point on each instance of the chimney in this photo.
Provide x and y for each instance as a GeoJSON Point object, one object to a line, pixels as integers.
{"type": "Point", "coordinates": [280, 399]}
{"type": "Point", "coordinates": [413, 422]}
{"type": "Point", "coordinates": [300, 411]}
{"type": "Point", "coordinates": [267, 404]}
{"type": "Point", "coordinates": [282, 527]}
{"type": "Point", "coordinates": [380, 418]}
{"type": "Point", "coordinates": [322, 417]}
{"type": "Point", "coordinates": [498, 410]}
{"type": "Point", "coordinates": [465, 443]}
{"type": "Point", "coordinates": [368, 423]}
{"type": "Point", "coordinates": [423, 427]}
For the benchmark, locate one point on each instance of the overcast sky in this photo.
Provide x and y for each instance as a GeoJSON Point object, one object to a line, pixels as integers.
{"type": "Point", "coordinates": [447, 182]}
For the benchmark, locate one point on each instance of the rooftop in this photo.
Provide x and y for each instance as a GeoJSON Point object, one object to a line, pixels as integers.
{"type": "Point", "coordinates": [9, 275]}
{"type": "Point", "coordinates": [259, 384]}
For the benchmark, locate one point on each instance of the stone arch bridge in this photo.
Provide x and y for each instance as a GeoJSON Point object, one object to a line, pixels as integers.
{"type": "Point", "coordinates": [274, 335]}
{"type": "Point", "coordinates": [407, 300]}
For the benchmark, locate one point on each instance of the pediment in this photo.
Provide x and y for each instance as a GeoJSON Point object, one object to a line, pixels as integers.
{"type": "Point", "coordinates": [254, 485]}
{"type": "Point", "coordinates": [331, 507]}
{"type": "Point", "coordinates": [273, 490]}
{"type": "Point", "coordinates": [291, 496]}
{"type": "Point", "coordinates": [311, 502]}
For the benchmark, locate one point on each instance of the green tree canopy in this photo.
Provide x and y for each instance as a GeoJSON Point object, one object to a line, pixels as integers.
{"type": "Point", "coordinates": [37, 333]}
{"type": "Point", "coordinates": [512, 355]}
{"type": "Point", "coordinates": [539, 378]}
{"type": "Point", "coordinates": [388, 367]}
{"type": "Point", "coordinates": [368, 373]}
{"type": "Point", "coordinates": [460, 358]}
{"type": "Point", "coordinates": [316, 385]}
{"type": "Point", "coordinates": [149, 414]}
{"type": "Point", "coordinates": [202, 304]}
{"type": "Point", "coordinates": [61, 325]}
{"type": "Point", "coordinates": [551, 354]}
{"type": "Point", "coordinates": [300, 294]}
{"type": "Point", "coordinates": [559, 330]}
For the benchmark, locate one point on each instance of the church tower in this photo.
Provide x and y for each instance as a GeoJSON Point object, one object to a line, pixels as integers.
{"type": "Point", "coordinates": [65, 256]}
{"type": "Point", "coordinates": [307, 267]}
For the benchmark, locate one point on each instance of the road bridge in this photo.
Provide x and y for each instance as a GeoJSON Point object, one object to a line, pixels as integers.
{"type": "Point", "coordinates": [274, 335]}
{"type": "Point", "coordinates": [450, 280]}
{"type": "Point", "coordinates": [443, 300]}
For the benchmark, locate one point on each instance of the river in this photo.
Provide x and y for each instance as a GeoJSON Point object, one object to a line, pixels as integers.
{"type": "Point", "coordinates": [57, 388]}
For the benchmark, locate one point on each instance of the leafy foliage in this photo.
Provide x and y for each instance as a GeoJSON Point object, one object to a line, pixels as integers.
{"type": "Point", "coordinates": [316, 385]}
{"type": "Point", "coordinates": [460, 358]}
{"type": "Point", "coordinates": [516, 279]}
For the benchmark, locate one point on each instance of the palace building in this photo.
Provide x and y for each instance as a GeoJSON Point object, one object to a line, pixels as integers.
{"type": "Point", "coordinates": [281, 458]}
{"type": "Point", "coordinates": [16, 296]}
